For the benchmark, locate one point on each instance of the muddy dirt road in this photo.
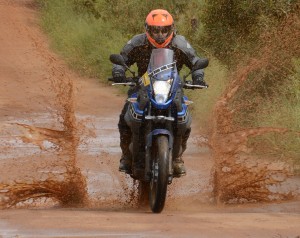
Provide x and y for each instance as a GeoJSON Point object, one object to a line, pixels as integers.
{"type": "Point", "coordinates": [59, 157]}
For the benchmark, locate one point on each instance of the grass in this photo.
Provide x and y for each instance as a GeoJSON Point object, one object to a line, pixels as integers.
{"type": "Point", "coordinates": [84, 41]}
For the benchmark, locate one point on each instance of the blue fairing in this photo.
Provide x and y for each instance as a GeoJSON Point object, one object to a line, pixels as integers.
{"type": "Point", "coordinates": [183, 112]}
{"type": "Point", "coordinates": [136, 105]}
{"type": "Point", "coordinates": [161, 106]}
{"type": "Point", "coordinates": [162, 67]}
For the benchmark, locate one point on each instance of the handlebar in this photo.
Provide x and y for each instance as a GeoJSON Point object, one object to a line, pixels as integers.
{"type": "Point", "coordinates": [133, 81]}
{"type": "Point", "coordinates": [189, 85]}
{"type": "Point", "coordinates": [129, 81]}
{"type": "Point", "coordinates": [192, 86]}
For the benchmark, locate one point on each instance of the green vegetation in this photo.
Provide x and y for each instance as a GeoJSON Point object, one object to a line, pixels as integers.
{"type": "Point", "coordinates": [84, 41]}
{"type": "Point", "coordinates": [233, 29]}
{"type": "Point", "coordinates": [231, 33]}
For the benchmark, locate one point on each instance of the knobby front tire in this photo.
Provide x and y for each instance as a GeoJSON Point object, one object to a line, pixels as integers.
{"type": "Point", "coordinates": [159, 180]}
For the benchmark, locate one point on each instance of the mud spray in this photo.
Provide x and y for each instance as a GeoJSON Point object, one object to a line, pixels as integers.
{"type": "Point", "coordinates": [61, 182]}
{"type": "Point", "coordinates": [238, 175]}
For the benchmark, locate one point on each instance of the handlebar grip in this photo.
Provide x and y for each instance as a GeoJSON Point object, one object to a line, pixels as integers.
{"type": "Point", "coordinates": [111, 79]}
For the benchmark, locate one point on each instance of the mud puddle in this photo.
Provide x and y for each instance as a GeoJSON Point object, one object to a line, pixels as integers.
{"type": "Point", "coordinates": [53, 171]}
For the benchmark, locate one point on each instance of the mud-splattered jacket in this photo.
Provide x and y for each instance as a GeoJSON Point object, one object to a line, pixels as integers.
{"type": "Point", "coordinates": [138, 50]}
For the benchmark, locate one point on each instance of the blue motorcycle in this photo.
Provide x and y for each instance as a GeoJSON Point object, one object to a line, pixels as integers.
{"type": "Point", "coordinates": [156, 110]}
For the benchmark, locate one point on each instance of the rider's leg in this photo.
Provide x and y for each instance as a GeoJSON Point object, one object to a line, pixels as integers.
{"type": "Point", "coordinates": [180, 144]}
{"type": "Point", "coordinates": [185, 137]}
{"type": "Point", "coordinates": [179, 168]}
{"type": "Point", "coordinates": [125, 139]}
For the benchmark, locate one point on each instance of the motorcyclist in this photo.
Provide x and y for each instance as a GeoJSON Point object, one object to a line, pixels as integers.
{"type": "Point", "coordinates": [160, 33]}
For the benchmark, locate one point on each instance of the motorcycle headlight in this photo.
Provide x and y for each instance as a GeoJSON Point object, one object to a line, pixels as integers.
{"type": "Point", "coordinates": [161, 90]}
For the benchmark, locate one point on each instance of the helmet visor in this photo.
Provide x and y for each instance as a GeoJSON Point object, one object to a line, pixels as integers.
{"type": "Point", "coordinates": [160, 33]}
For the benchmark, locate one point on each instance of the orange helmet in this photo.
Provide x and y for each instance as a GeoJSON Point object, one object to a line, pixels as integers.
{"type": "Point", "coordinates": [159, 28]}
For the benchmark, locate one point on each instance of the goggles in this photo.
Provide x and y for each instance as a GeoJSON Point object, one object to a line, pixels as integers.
{"type": "Point", "coordinates": [154, 30]}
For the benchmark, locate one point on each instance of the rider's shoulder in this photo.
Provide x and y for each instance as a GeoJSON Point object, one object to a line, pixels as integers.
{"type": "Point", "coordinates": [180, 42]}
{"type": "Point", "coordinates": [138, 40]}
{"type": "Point", "coordinates": [134, 42]}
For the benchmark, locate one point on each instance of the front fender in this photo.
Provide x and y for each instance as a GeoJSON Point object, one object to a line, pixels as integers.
{"type": "Point", "coordinates": [159, 132]}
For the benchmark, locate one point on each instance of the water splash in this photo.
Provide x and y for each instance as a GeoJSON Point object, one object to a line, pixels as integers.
{"type": "Point", "coordinates": [234, 178]}
{"type": "Point", "coordinates": [240, 176]}
{"type": "Point", "coordinates": [65, 186]}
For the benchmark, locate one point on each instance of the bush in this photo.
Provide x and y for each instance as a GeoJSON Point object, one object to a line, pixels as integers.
{"type": "Point", "coordinates": [232, 29]}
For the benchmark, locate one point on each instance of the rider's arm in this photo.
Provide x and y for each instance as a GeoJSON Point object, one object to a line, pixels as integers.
{"type": "Point", "coordinates": [187, 55]}
{"type": "Point", "coordinates": [129, 54]}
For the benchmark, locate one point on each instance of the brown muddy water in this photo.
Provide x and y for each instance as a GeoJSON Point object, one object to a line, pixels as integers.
{"type": "Point", "coordinates": [63, 181]}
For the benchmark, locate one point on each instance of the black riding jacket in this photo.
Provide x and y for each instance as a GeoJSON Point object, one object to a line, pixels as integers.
{"type": "Point", "coordinates": [138, 50]}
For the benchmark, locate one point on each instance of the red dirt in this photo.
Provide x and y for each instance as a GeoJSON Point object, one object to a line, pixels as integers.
{"type": "Point", "coordinates": [59, 148]}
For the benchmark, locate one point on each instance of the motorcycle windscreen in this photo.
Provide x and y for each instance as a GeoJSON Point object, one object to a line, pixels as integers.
{"type": "Point", "coordinates": [161, 64]}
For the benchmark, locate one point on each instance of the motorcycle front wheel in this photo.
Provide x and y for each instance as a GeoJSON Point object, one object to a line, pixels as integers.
{"type": "Point", "coordinates": [159, 180]}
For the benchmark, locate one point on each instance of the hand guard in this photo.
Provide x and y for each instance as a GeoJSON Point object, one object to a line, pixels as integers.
{"type": "Point", "coordinates": [119, 77]}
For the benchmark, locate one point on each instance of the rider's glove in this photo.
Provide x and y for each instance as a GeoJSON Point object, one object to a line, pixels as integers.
{"type": "Point", "coordinates": [200, 81]}
{"type": "Point", "coordinates": [119, 77]}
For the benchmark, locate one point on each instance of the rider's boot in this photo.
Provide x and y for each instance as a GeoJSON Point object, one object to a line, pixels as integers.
{"type": "Point", "coordinates": [125, 164]}
{"type": "Point", "coordinates": [178, 163]}
{"type": "Point", "coordinates": [179, 168]}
